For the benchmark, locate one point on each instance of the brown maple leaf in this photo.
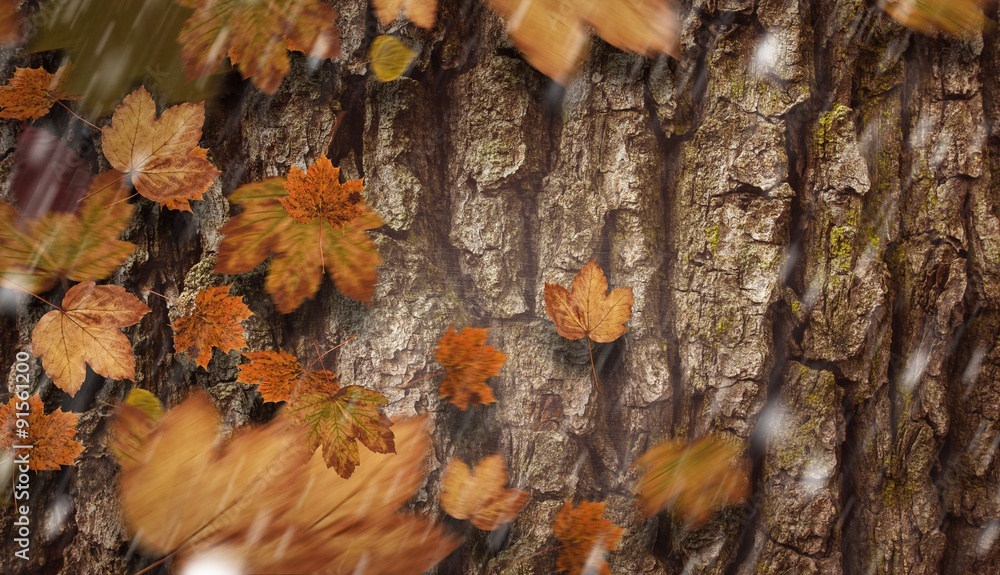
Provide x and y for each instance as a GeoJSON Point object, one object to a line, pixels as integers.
{"type": "Point", "coordinates": [336, 418]}
{"type": "Point", "coordinates": [215, 321]}
{"type": "Point", "coordinates": [553, 36]}
{"type": "Point", "coordinates": [961, 18]}
{"type": "Point", "coordinates": [85, 332]}
{"type": "Point", "coordinates": [161, 155]}
{"type": "Point", "coordinates": [694, 478]}
{"type": "Point", "coordinates": [423, 13]}
{"type": "Point", "coordinates": [468, 363]}
{"type": "Point", "coordinates": [586, 536]}
{"type": "Point", "coordinates": [318, 193]}
{"type": "Point", "coordinates": [34, 253]}
{"type": "Point", "coordinates": [32, 92]}
{"type": "Point", "coordinates": [588, 310]}
{"type": "Point", "coordinates": [257, 36]}
{"type": "Point", "coordinates": [479, 495]}
{"type": "Point", "coordinates": [279, 376]}
{"type": "Point", "coordinates": [186, 495]}
{"type": "Point", "coordinates": [303, 252]}
{"type": "Point", "coordinates": [49, 435]}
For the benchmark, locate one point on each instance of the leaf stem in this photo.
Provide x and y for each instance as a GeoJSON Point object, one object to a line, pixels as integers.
{"type": "Point", "coordinates": [156, 564]}
{"type": "Point", "coordinates": [593, 369]}
{"type": "Point", "coordinates": [166, 297]}
{"type": "Point", "coordinates": [95, 192]}
{"type": "Point", "coordinates": [336, 347]}
{"type": "Point", "coordinates": [78, 116]}
{"type": "Point", "coordinates": [40, 298]}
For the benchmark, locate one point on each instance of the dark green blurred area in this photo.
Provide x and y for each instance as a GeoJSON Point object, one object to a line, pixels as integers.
{"type": "Point", "coordinates": [116, 46]}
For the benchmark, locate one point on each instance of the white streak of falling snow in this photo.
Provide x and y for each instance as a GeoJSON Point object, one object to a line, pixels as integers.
{"type": "Point", "coordinates": [214, 562]}
{"type": "Point", "coordinates": [989, 537]}
{"type": "Point", "coordinates": [56, 516]}
{"type": "Point", "coordinates": [915, 368]}
{"type": "Point", "coordinates": [766, 55]}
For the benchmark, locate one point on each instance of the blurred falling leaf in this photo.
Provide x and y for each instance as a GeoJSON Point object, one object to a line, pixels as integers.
{"type": "Point", "coordinates": [134, 420]}
{"type": "Point", "coordinates": [49, 176]}
{"type": "Point", "coordinates": [955, 17]}
{"type": "Point", "coordinates": [553, 35]}
{"type": "Point", "coordinates": [479, 495]}
{"type": "Point", "coordinates": [117, 45]}
{"type": "Point", "coordinates": [423, 13]}
{"type": "Point", "coordinates": [187, 495]}
{"type": "Point", "coordinates": [85, 331]}
{"type": "Point", "coordinates": [32, 92]}
{"type": "Point", "coordinates": [389, 58]}
{"type": "Point", "coordinates": [34, 253]}
{"type": "Point", "coordinates": [215, 322]}
{"type": "Point", "coordinates": [50, 435]}
{"type": "Point", "coordinates": [303, 251]}
{"type": "Point", "coordinates": [336, 418]}
{"type": "Point", "coordinates": [694, 478]}
{"type": "Point", "coordinates": [161, 155]}
{"type": "Point", "coordinates": [10, 22]}
{"type": "Point", "coordinates": [468, 363]}
{"type": "Point", "coordinates": [585, 536]}
{"type": "Point", "coordinates": [257, 37]}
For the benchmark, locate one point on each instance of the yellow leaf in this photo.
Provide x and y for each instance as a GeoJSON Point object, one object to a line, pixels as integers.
{"type": "Point", "coordinates": [389, 57]}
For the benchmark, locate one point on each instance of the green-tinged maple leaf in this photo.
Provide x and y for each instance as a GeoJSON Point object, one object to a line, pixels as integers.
{"type": "Point", "coordinates": [257, 36]}
{"type": "Point", "coordinates": [337, 418]}
{"type": "Point", "coordinates": [34, 253]}
{"type": "Point", "coordinates": [303, 252]}
{"type": "Point", "coordinates": [338, 422]}
{"type": "Point", "coordinates": [116, 45]}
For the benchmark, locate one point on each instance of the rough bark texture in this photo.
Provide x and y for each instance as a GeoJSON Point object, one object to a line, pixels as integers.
{"type": "Point", "coordinates": [805, 205]}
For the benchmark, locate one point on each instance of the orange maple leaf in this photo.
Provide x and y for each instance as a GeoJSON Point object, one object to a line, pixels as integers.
{"type": "Point", "coordinates": [423, 13]}
{"type": "Point", "coordinates": [185, 494]}
{"type": "Point", "coordinates": [318, 193]}
{"type": "Point", "coordinates": [85, 332]}
{"type": "Point", "coordinates": [50, 435]}
{"type": "Point", "coordinates": [586, 536]}
{"type": "Point", "coordinates": [468, 363]}
{"type": "Point", "coordinates": [588, 310]}
{"type": "Point", "coordinates": [214, 322]}
{"type": "Point", "coordinates": [32, 92]}
{"type": "Point", "coordinates": [337, 418]}
{"type": "Point", "coordinates": [82, 246]}
{"type": "Point", "coordinates": [279, 376]}
{"type": "Point", "coordinates": [257, 36]}
{"type": "Point", "coordinates": [479, 495]}
{"type": "Point", "coordinates": [694, 478]}
{"type": "Point", "coordinates": [134, 419]}
{"type": "Point", "coordinates": [303, 251]}
{"type": "Point", "coordinates": [553, 35]}
{"type": "Point", "coordinates": [160, 155]}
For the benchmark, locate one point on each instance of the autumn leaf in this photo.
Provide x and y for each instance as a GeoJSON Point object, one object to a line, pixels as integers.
{"type": "Point", "coordinates": [694, 478]}
{"type": "Point", "coordinates": [49, 176]}
{"type": "Point", "coordinates": [336, 418]}
{"type": "Point", "coordinates": [188, 495]}
{"type": "Point", "coordinates": [85, 332]}
{"type": "Point", "coordinates": [553, 35]}
{"type": "Point", "coordinates": [303, 252]}
{"type": "Point", "coordinates": [32, 92]}
{"type": "Point", "coordinates": [389, 58]}
{"type": "Point", "coordinates": [468, 363]}
{"type": "Point", "coordinates": [479, 495]}
{"type": "Point", "coordinates": [160, 155]}
{"type": "Point", "coordinates": [135, 418]}
{"type": "Point", "coordinates": [423, 13]}
{"type": "Point", "coordinates": [49, 435]}
{"type": "Point", "coordinates": [10, 22]}
{"type": "Point", "coordinates": [318, 193]}
{"type": "Point", "coordinates": [257, 36]}
{"type": "Point", "coordinates": [586, 536]}
{"type": "Point", "coordinates": [588, 310]}
{"type": "Point", "coordinates": [955, 17]}
{"type": "Point", "coordinates": [214, 322]}
{"type": "Point", "coordinates": [82, 246]}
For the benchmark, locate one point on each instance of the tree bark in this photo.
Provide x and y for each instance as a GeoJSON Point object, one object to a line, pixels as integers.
{"type": "Point", "coordinates": [804, 204]}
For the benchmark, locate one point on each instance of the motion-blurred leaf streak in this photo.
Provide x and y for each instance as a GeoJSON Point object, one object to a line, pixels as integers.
{"type": "Point", "coordinates": [956, 17]}
{"type": "Point", "coordinates": [468, 362]}
{"type": "Point", "coordinates": [423, 13]}
{"type": "Point", "coordinates": [389, 57]}
{"type": "Point", "coordinates": [585, 536]}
